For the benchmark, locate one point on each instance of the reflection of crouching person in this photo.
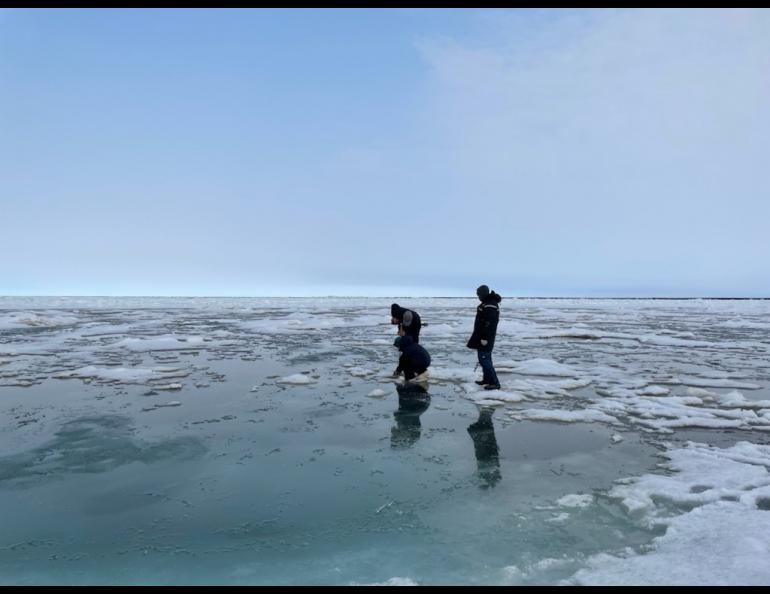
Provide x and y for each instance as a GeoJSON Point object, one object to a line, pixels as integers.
{"type": "Point", "coordinates": [414, 360]}
{"type": "Point", "coordinates": [413, 400]}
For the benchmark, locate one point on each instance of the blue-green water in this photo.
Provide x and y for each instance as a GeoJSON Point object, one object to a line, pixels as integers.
{"type": "Point", "coordinates": [238, 478]}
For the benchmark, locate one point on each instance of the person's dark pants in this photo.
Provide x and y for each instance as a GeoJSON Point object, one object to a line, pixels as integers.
{"type": "Point", "coordinates": [410, 371]}
{"type": "Point", "coordinates": [485, 360]}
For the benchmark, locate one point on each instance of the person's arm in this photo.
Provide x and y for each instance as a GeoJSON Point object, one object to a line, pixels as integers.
{"type": "Point", "coordinates": [400, 367]}
{"type": "Point", "coordinates": [489, 317]}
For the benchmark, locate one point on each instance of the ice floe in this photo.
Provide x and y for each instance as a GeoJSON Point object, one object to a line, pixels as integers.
{"type": "Point", "coordinates": [713, 504]}
{"type": "Point", "coordinates": [136, 375]}
{"type": "Point", "coordinates": [297, 379]}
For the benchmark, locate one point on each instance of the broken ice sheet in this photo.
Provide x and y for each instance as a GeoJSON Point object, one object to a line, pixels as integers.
{"type": "Point", "coordinates": [255, 441]}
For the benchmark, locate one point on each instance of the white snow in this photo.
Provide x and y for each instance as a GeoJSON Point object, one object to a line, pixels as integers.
{"type": "Point", "coordinates": [453, 374]}
{"type": "Point", "coordinates": [514, 575]}
{"type": "Point", "coordinates": [575, 500]}
{"type": "Point", "coordinates": [563, 416]}
{"type": "Point", "coordinates": [715, 532]}
{"type": "Point", "coordinates": [733, 471]}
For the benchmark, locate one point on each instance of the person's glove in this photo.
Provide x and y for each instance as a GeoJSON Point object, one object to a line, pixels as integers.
{"type": "Point", "coordinates": [483, 343]}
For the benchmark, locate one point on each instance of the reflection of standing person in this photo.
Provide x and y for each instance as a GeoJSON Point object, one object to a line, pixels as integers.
{"type": "Point", "coordinates": [484, 442]}
{"type": "Point", "coordinates": [413, 400]}
{"type": "Point", "coordinates": [409, 322]}
{"type": "Point", "coordinates": [414, 359]}
{"type": "Point", "coordinates": [484, 332]}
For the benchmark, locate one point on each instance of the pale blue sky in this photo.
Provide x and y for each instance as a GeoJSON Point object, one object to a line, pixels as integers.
{"type": "Point", "coordinates": [385, 152]}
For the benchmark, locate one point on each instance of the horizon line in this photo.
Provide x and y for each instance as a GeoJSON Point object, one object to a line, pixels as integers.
{"type": "Point", "coordinates": [692, 297]}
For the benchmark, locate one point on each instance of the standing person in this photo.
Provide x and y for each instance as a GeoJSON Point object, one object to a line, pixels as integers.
{"type": "Point", "coordinates": [409, 322]}
{"type": "Point", "coordinates": [414, 360]}
{"type": "Point", "coordinates": [484, 331]}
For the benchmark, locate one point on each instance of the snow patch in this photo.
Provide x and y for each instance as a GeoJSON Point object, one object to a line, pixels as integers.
{"type": "Point", "coordinates": [575, 500]}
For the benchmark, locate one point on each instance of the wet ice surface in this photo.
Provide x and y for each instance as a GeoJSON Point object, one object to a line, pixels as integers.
{"type": "Point", "coordinates": [248, 441]}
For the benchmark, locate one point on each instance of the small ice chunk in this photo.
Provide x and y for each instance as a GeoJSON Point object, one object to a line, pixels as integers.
{"type": "Point", "coordinates": [701, 393]}
{"type": "Point", "coordinates": [575, 500]}
{"type": "Point", "coordinates": [298, 379]}
{"type": "Point", "coordinates": [565, 416]}
{"type": "Point", "coordinates": [394, 581]}
{"type": "Point", "coordinates": [166, 405]}
{"type": "Point", "coordinates": [700, 382]}
{"type": "Point", "coordinates": [616, 438]}
{"type": "Point", "coordinates": [115, 374]}
{"type": "Point", "coordinates": [734, 398]}
{"type": "Point", "coordinates": [452, 374]}
{"type": "Point", "coordinates": [489, 402]}
{"type": "Point", "coordinates": [377, 393]}
{"type": "Point", "coordinates": [654, 391]}
{"type": "Point", "coordinates": [546, 367]}
{"type": "Point", "coordinates": [168, 342]}
{"type": "Point", "coordinates": [512, 574]}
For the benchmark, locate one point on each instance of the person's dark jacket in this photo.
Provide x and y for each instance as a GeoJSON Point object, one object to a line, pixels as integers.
{"type": "Point", "coordinates": [485, 326]}
{"type": "Point", "coordinates": [408, 320]}
{"type": "Point", "coordinates": [412, 355]}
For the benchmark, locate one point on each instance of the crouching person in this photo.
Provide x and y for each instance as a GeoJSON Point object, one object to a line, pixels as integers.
{"type": "Point", "coordinates": [414, 360]}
